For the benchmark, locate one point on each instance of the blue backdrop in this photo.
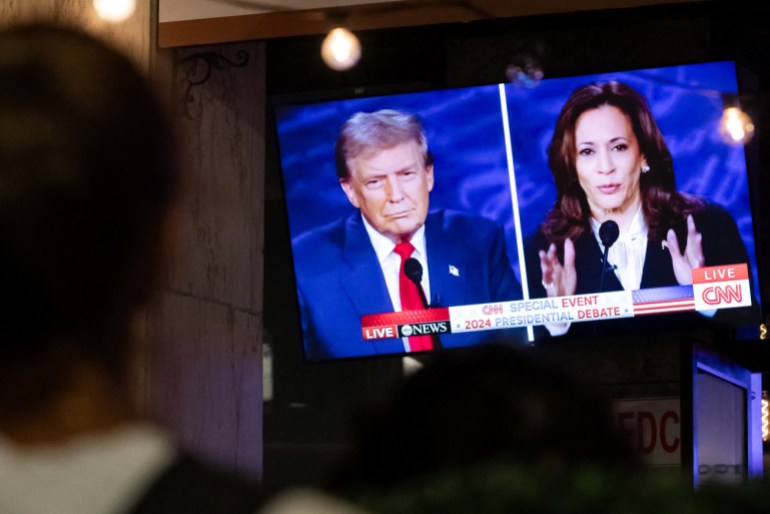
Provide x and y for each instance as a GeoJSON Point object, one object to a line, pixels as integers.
{"type": "Point", "coordinates": [687, 104]}
{"type": "Point", "coordinates": [465, 134]}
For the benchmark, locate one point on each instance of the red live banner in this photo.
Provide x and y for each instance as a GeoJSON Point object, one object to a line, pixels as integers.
{"type": "Point", "coordinates": [720, 273]}
{"type": "Point", "coordinates": [721, 287]}
{"type": "Point", "coordinates": [386, 325]}
{"type": "Point", "coordinates": [714, 287]}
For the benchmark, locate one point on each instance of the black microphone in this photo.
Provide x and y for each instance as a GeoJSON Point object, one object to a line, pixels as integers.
{"type": "Point", "coordinates": [608, 233]}
{"type": "Point", "coordinates": [413, 271]}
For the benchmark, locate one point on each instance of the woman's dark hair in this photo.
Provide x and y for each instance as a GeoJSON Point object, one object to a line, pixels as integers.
{"type": "Point", "coordinates": [86, 176]}
{"type": "Point", "coordinates": [662, 206]}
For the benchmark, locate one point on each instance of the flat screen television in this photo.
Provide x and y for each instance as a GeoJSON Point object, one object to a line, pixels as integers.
{"type": "Point", "coordinates": [489, 148]}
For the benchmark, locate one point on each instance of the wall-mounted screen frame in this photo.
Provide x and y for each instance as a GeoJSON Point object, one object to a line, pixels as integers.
{"type": "Point", "coordinates": [726, 420]}
{"type": "Point", "coordinates": [489, 149]}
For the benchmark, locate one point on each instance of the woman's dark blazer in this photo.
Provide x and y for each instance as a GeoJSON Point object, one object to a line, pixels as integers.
{"type": "Point", "coordinates": [722, 244]}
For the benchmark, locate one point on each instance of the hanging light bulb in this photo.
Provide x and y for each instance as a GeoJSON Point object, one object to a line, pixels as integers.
{"type": "Point", "coordinates": [341, 49]}
{"type": "Point", "coordinates": [735, 127]}
{"type": "Point", "coordinates": [115, 11]}
{"type": "Point", "coordinates": [525, 71]}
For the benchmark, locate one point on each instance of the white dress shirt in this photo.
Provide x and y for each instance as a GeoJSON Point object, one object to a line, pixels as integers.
{"type": "Point", "coordinates": [390, 263]}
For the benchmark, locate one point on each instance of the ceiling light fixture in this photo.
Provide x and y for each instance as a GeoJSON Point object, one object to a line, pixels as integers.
{"type": "Point", "coordinates": [341, 49]}
{"type": "Point", "coordinates": [735, 127]}
{"type": "Point", "coordinates": [115, 11]}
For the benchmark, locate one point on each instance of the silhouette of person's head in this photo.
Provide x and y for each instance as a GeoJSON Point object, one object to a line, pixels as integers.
{"type": "Point", "coordinates": [86, 179]}
{"type": "Point", "coordinates": [484, 404]}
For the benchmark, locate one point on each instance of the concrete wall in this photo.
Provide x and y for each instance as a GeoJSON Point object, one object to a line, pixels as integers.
{"type": "Point", "coordinates": [205, 378]}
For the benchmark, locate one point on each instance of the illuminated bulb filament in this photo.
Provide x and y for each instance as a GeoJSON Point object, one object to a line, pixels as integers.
{"type": "Point", "coordinates": [765, 417]}
{"type": "Point", "coordinates": [341, 49]}
{"type": "Point", "coordinates": [115, 10]}
{"type": "Point", "coordinates": [736, 127]}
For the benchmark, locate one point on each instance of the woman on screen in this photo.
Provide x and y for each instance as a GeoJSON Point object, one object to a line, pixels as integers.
{"type": "Point", "coordinates": [610, 163]}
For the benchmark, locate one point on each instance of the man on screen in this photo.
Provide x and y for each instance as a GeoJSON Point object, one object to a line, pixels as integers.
{"type": "Point", "coordinates": [355, 266]}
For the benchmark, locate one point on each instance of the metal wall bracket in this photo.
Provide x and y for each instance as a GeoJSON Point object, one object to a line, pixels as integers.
{"type": "Point", "coordinates": [195, 70]}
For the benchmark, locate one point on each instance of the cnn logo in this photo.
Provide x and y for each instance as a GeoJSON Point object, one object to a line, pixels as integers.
{"type": "Point", "coordinates": [721, 287]}
{"type": "Point", "coordinates": [722, 294]}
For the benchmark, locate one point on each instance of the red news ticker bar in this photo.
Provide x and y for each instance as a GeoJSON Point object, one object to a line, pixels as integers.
{"type": "Point", "coordinates": [720, 273]}
{"type": "Point", "coordinates": [385, 325]}
{"type": "Point", "coordinates": [405, 317]}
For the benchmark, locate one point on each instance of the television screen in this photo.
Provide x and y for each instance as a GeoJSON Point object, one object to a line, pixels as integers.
{"type": "Point", "coordinates": [437, 219]}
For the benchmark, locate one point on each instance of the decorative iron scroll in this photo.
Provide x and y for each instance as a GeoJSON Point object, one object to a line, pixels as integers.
{"type": "Point", "coordinates": [196, 70]}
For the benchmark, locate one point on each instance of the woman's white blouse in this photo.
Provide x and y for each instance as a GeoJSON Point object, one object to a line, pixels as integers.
{"type": "Point", "coordinates": [627, 254]}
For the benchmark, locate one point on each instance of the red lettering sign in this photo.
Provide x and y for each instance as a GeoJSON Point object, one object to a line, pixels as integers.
{"type": "Point", "coordinates": [379, 332]}
{"type": "Point", "coordinates": [668, 446]}
{"type": "Point", "coordinates": [645, 424]}
{"type": "Point", "coordinates": [652, 432]}
{"type": "Point", "coordinates": [718, 295]}
{"type": "Point", "coordinates": [720, 273]}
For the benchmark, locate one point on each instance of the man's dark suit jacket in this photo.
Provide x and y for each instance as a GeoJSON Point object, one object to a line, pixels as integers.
{"type": "Point", "coordinates": [339, 280]}
{"type": "Point", "coordinates": [722, 244]}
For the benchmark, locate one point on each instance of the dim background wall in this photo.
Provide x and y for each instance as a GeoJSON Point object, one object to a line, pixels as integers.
{"type": "Point", "coordinates": [204, 379]}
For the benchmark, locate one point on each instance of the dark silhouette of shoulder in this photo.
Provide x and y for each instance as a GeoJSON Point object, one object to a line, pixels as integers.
{"type": "Point", "coordinates": [191, 487]}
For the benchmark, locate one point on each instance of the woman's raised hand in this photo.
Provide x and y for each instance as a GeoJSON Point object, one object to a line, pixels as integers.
{"type": "Point", "coordinates": [559, 279]}
{"type": "Point", "coordinates": [691, 258]}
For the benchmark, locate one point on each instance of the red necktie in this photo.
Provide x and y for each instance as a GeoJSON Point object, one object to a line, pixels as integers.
{"type": "Point", "coordinates": [410, 296]}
